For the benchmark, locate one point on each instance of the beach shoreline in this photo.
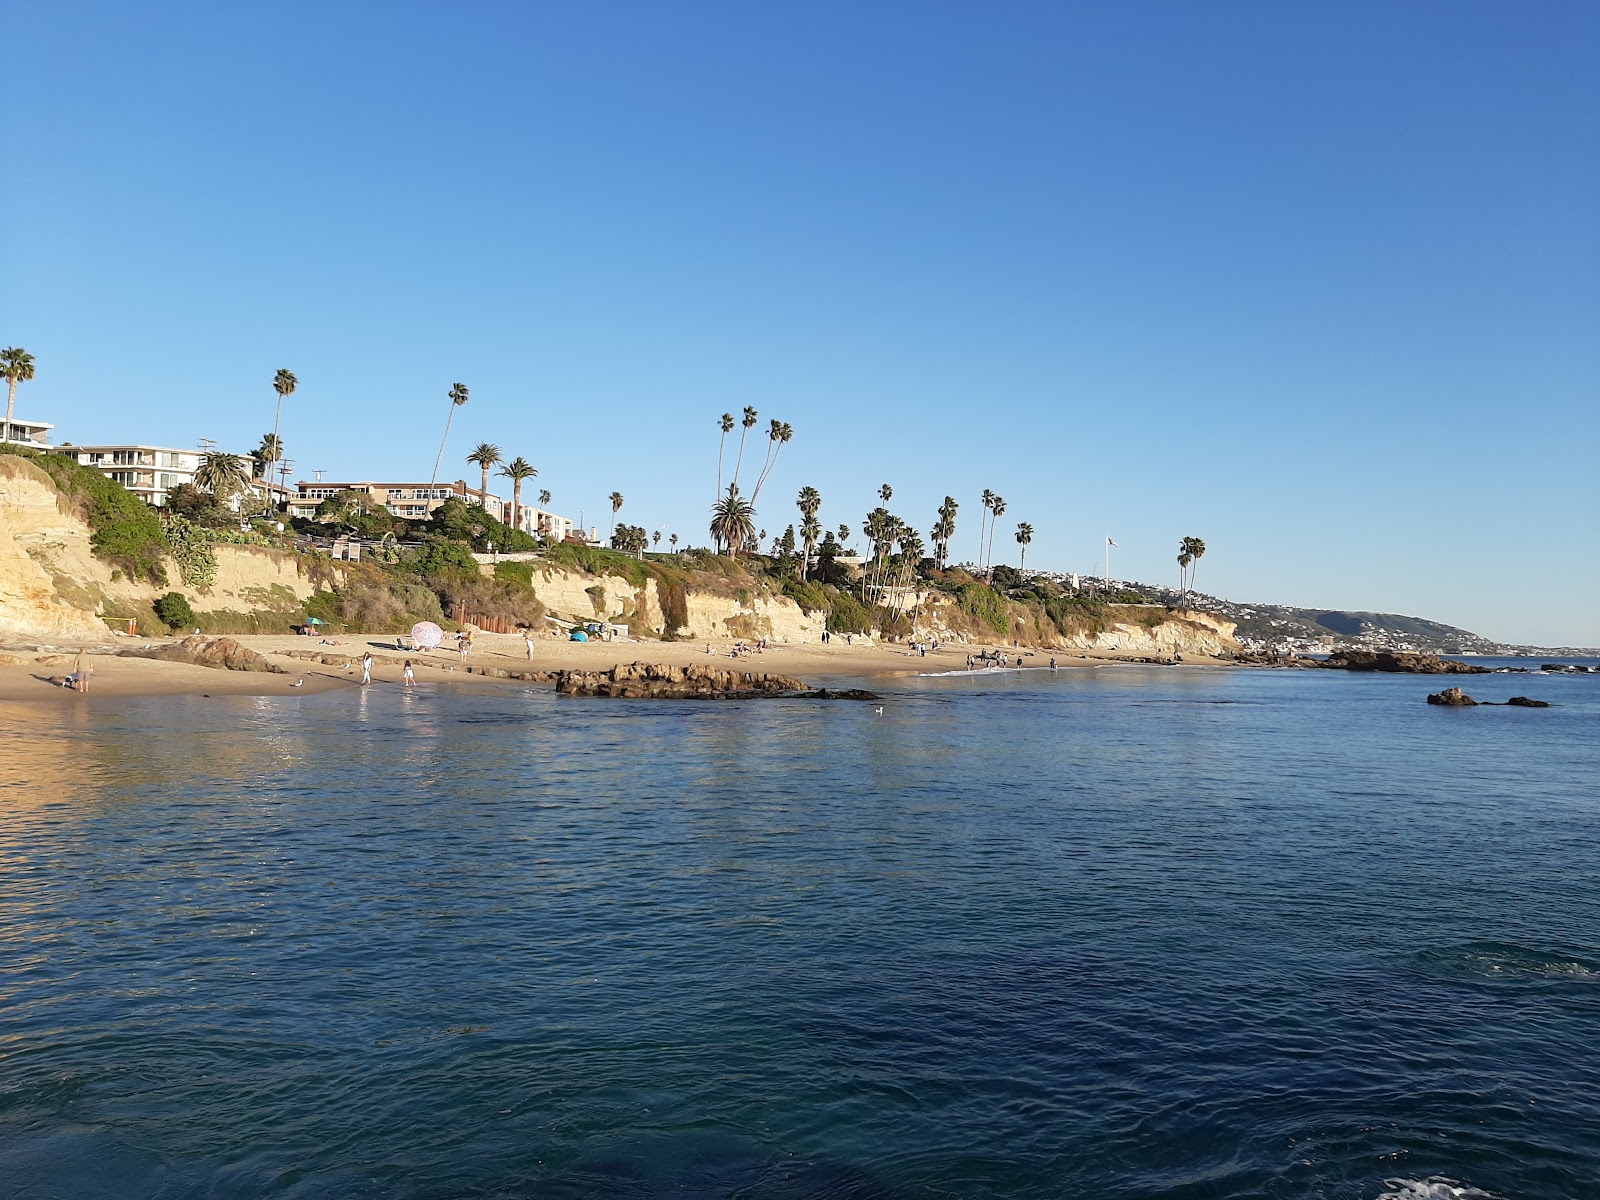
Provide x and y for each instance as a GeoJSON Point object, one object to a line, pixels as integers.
{"type": "Point", "coordinates": [27, 669]}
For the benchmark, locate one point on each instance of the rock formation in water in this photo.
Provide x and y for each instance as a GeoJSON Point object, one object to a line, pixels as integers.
{"type": "Point", "coordinates": [653, 681]}
{"type": "Point", "coordinates": [1452, 697]}
{"type": "Point", "coordinates": [1400, 661]}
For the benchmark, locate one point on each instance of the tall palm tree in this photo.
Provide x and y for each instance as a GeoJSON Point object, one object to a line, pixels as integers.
{"type": "Point", "coordinates": [16, 364]}
{"type": "Point", "coordinates": [674, 540]}
{"type": "Point", "coordinates": [885, 493]}
{"type": "Point", "coordinates": [655, 538]}
{"type": "Point", "coordinates": [458, 397]}
{"type": "Point", "coordinates": [809, 501]}
{"type": "Point", "coordinates": [616, 507]}
{"type": "Point", "coordinates": [725, 423]}
{"type": "Point", "coordinates": [988, 503]}
{"type": "Point", "coordinates": [486, 455]}
{"type": "Point", "coordinates": [997, 506]}
{"type": "Point", "coordinates": [749, 423]}
{"type": "Point", "coordinates": [223, 475]}
{"type": "Point", "coordinates": [284, 383]}
{"type": "Point", "coordinates": [943, 531]}
{"type": "Point", "coordinates": [1195, 548]}
{"type": "Point", "coordinates": [733, 522]}
{"type": "Point", "coordinates": [1184, 559]}
{"type": "Point", "coordinates": [517, 470]}
{"type": "Point", "coordinates": [544, 498]}
{"type": "Point", "coordinates": [1024, 539]}
{"type": "Point", "coordinates": [777, 438]}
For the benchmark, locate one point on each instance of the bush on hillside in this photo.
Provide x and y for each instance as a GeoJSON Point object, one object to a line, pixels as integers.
{"type": "Point", "coordinates": [174, 611]}
{"type": "Point", "coordinates": [848, 615]}
{"type": "Point", "coordinates": [123, 530]}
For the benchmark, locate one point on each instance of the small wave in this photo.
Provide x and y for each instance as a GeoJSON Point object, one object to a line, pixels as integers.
{"type": "Point", "coordinates": [1510, 962]}
{"type": "Point", "coordinates": [1435, 1187]}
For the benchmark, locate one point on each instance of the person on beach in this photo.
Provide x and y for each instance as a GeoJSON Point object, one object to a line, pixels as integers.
{"type": "Point", "coordinates": [78, 681]}
{"type": "Point", "coordinates": [1052, 664]}
{"type": "Point", "coordinates": [527, 639]}
{"type": "Point", "coordinates": [411, 676]}
{"type": "Point", "coordinates": [366, 668]}
{"type": "Point", "coordinates": [463, 644]}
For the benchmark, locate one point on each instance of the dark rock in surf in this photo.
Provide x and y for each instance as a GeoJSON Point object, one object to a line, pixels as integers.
{"type": "Point", "coordinates": [1452, 697]}
{"type": "Point", "coordinates": [1525, 702]}
{"type": "Point", "coordinates": [1400, 661]}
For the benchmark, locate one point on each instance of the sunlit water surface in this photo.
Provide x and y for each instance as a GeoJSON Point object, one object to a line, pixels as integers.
{"type": "Point", "coordinates": [1122, 932]}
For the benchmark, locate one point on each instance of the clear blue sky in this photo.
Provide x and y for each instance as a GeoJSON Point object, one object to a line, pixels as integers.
{"type": "Point", "coordinates": [1319, 283]}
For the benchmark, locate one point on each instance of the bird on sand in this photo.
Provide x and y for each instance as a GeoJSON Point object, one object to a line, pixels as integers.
{"type": "Point", "coordinates": [298, 683]}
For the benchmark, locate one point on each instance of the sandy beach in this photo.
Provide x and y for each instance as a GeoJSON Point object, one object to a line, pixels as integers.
{"type": "Point", "coordinates": [26, 672]}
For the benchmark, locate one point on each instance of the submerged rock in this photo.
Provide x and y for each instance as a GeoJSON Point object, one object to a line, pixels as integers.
{"type": "Point", "coordinates": [1525, 702]}
{"type": "Point", "coordinates": [1452, 697]}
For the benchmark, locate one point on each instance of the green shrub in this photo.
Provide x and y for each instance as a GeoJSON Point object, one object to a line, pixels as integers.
{"type": "Point", "coordinates": [812, 597]}
{"type": "Point", "coordinates": [848, 615]}
{"type": "Point", "coordinates": [984, 604]}
{"type": "Point", "coordinates": [123, 529]}
{"type": "Point", "coordinates": [515, 572]}
{"type": "Point", "coordinates": [174, 611]}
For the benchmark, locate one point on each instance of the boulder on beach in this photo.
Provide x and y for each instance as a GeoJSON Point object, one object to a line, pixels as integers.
{"type": "Point", "coordinates": [1452, 697]}
{"type": "Point", "coordinates": [222, 653]}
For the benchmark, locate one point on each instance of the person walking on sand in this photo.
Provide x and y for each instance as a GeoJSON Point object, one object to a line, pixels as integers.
{"type": "Point", "coordinates": [366, 668]}
{"type": "Point", "coordinates": [411, 676]}
{"type": "Point", "coordinates": [80, 676]}
{"type": "Point", "coordinates": [527, 638]}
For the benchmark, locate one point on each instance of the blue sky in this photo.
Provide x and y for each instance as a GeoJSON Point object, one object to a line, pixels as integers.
{"type": "Point", "coordinates": [1317, 283]}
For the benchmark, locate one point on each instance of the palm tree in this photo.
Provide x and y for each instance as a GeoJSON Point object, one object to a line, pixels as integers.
{"type": "Point", "coordinates": [726, 425]}
{"type": "Point", "coordinates": [943, 531]}
{"type": "Point", "coordinates": [458, 397]}
{"type": "Point", "coordinates": [223, 475]}
{"type": "Point", "coordinates": [264, 455]}
{"type": "Point", "coordinates": [544, 498]}
{"type": "Point", "coordinates": [655, 538]}
{"type": "Point", "coordinates": [733, 522]}
{"type": "Point", "coordinates": [988, 503]}
{"type": "Point", "coordinates": [674, 540]}
{"type": "Point", "coordinates": [616, 507]}
{"type": "Point", "coordinates": [1184, 559]}
{"type": "Point", "coordinates": [1024, 539]}
{"type": "Point", "coordinates": [517, 470]}
{"type": "Point", "coordinates": [885, 493]}
{"type": "Point", "coordinates": [749, 423]}
{"type": "Point", "coordinates": [284, 383]}
{"type": "Point", "coordinates": [1195, 548]}
{"type": "Point", "coordinates": [777, 438]}
{"type": "Point", "coordinates": [997, 506]}
{"type": "Point", "coordinates": [486, 455]}
{"type": "Point", "coordinates": [16, 364]}
{"type": "Point", "coordinates": [808, 502]}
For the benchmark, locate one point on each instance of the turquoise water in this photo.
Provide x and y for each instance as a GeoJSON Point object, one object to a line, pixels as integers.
{"type": "Point", "coordinates": [1123, 932]}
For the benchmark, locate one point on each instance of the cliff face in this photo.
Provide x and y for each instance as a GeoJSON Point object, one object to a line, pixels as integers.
{"type": "Point", "coordinates": [52, 585]}
{"type": "Point", "coordinates": [574, 595]}
{"type": "Point", "coordinates": [38, 542]}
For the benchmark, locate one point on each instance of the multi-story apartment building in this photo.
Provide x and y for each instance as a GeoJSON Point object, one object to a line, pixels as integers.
{"type": "Point", "coordinates": [149, 472]}
{"type": "Point", "coordinates": [538, 521]}
{"type": "Point", "coordinates": [413, 501]}
{"type": "Point", "coordinates": [33, 434]}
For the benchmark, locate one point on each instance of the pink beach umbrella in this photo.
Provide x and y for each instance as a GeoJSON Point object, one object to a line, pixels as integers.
{"type": "Point", "coordinates": [426, 634]}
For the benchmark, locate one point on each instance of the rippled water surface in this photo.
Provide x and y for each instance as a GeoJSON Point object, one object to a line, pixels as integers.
{"type": "Point", "coordinates": [1124, 932]}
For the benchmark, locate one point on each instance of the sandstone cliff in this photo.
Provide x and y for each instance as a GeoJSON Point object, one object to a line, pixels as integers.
{"type": "Point", "coordinates": [52, 585]}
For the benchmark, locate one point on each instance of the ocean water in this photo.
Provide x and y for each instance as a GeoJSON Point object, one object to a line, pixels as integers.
{"type": "Point", "coordinates": [1109, 933]}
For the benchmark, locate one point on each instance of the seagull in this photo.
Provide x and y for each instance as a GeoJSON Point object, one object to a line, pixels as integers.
{"type": "Point", "coordinates": [298, 683]}
{"type": "Point", "coordinates": [879, 710]}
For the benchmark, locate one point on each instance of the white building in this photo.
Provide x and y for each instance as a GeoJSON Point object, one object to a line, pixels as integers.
{"type": "Point", "coordinates": [149, 472]}
{"type": "Point", "coordinates": [412, 501]}
{"type": "Point", "coordinates": [539, 522]}
{"type": "Point", "coordinates": [33, 434]}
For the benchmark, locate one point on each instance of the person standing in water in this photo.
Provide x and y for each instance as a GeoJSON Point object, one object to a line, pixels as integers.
{"type": "Point", "coordinates": [366, 668]}
{"type": "Point", "coordinates": [411, 676]}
